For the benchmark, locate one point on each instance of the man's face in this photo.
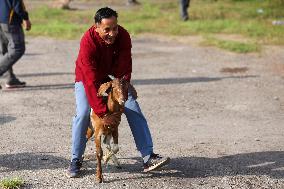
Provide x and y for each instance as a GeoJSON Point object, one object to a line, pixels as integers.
{"type": "Point", "coordinates": [108, 29]}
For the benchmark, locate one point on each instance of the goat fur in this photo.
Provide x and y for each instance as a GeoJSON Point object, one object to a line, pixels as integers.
{"type": "Point", "coordinates": [115, 104]}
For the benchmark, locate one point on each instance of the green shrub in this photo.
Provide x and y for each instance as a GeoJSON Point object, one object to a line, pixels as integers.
{"type": "Point", "coordinates": [13, 183]}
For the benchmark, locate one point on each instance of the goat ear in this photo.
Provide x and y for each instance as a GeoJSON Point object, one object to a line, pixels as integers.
{"type": "Point", "coordinates": [103, 88]}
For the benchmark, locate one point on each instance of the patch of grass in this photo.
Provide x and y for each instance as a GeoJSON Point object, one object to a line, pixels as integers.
{"type": "Point", "coordinates": [250, 18]}
{"type": "Point", "coordinates": [58, 29]}
{"type": "Point", "coordinates": [13, 183]}
{"type": "Point", "coordinates": [59, 23]}
{"type": "Point", "coordinates": [234, 46]}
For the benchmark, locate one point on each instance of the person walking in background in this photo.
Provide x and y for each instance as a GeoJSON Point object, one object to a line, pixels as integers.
{"type": "Point", "coordinates": [184, 4]}
{"type": "Point", "coordinates": [105, 49]}
{"type": "Point", "coordinates": [12, 38]}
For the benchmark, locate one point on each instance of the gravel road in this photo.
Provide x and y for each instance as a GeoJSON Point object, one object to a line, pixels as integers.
{"type": "Point", "coordinates": [218, 115]}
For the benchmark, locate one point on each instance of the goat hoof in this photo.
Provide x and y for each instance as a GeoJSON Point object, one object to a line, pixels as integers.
{"type": "Point", "coordinates": [99, 180]}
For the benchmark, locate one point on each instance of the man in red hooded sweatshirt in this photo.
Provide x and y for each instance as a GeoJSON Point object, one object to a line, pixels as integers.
{"type": "Point", "coordinates": [105, 49]}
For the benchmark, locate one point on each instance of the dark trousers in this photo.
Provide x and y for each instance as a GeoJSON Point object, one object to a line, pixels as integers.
{"type": "Point", "coordinates": [184, 4]}
{"type": "Point", "coordinates": [12, 47]}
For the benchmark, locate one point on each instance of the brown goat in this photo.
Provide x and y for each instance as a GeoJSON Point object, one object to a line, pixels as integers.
{"type": "Point", "coordinates": [115, 103]}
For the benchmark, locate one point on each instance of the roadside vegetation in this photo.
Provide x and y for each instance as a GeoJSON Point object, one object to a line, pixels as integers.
{"type": "Point", "coordinates": [11, 183]}
{"type": "Point", "coordinates": [234, 46]}
{"type": "Point", "coordinates": [250, 19]}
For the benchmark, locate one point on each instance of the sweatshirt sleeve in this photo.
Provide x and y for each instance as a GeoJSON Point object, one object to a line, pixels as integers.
{"type": "Point", "coordinates": [124, 59]}
{"type": "Point", "coordinates": [20, 9]}
{"type": "Point", "coordinates": [88, 65]}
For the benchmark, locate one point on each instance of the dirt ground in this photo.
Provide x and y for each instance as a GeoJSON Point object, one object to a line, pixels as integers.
{"type": "Point", "coordinates": [218, 115]}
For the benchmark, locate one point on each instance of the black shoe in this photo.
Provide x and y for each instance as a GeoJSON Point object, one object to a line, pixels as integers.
{"type": "Point", "coordinates": [74, 168]}
{"type": "Point", "coordinates": [155, 161]}
{"type": "Point", "coordinates": [185, 18]}
{"type": "Point", "coordinates": [15, 83]}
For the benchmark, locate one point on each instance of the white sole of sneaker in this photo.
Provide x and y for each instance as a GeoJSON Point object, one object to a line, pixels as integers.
{"type": "Point", "coordinates": [14, 86]}
{"type": "Point", "coordinates": [157, 166]}
{"type": "Point", "coordinates": [72, 175]}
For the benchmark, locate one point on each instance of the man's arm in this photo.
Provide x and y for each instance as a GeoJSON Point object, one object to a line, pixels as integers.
{"type": "Point", "coordinates": [20, 9]}
{"type": "Point", "coordinates": [88, 66]}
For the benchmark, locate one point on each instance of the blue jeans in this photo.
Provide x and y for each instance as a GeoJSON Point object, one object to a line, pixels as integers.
{"type": "Point", "coordinates": [135, 118]}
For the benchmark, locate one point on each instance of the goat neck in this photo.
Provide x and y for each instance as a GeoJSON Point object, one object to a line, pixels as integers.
{"type": "Point", "coordinates": [112, 104]}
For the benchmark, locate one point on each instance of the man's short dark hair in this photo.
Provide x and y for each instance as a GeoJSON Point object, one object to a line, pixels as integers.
{"type": "Point", "coordinates": [105, 12]}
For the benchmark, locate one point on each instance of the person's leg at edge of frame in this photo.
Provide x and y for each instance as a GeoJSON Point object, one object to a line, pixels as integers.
{"type": "Point", "coordinates": [79, 128]}
{"type": "Point", "coordinates": [3, 44]}
{"type": "Point", "coordinates": [142, 136]}
{"type": "Point", "coordinates": [18, 40]}
{"type": "Point", "coordinates": [13, 36]}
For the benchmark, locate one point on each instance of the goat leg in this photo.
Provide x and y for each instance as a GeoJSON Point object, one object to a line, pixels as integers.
{"type": "Point", "coordinates": [115, 149]}
{"type": "Point", "coordinates": [90, 133]}
{"type": "Point", "coordinates": [114, 134]}
{"type": "Point", "coordinates": [91, 127]}
{"type": "Point", "coordinates": [99, 155]}
{"type": "Point", "coordinates": [108, 154]}
{"type": "Point", "coordinates": [115, 161]}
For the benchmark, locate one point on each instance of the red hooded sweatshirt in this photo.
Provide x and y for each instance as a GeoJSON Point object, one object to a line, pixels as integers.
{"type": "Point", "coordinates": [96, 60]}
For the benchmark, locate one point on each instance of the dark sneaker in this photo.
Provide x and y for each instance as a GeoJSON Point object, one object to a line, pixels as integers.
{"type": "Point", "coordinates": [15, 83]}
{"type": "Point", "coordinates": [155, 161]}
{"type": "Point", "coordinates": [185, 18]}
{"type": "Point", "coordinates": [74, 168]}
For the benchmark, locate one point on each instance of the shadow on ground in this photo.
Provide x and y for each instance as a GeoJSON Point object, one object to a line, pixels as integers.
{"type": "Point", "coordinates": [163, 81]}
{"type": "Point", "coordinates": [31, 161]}
{"type": "Point", "coordinates": [170, 81]}
{"type": "Point", "coordinates": [270, 163]}
{"type": "Point", "coordinates": [6, 118]}
{"type": "Point", "coordinates": [44, 74]}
